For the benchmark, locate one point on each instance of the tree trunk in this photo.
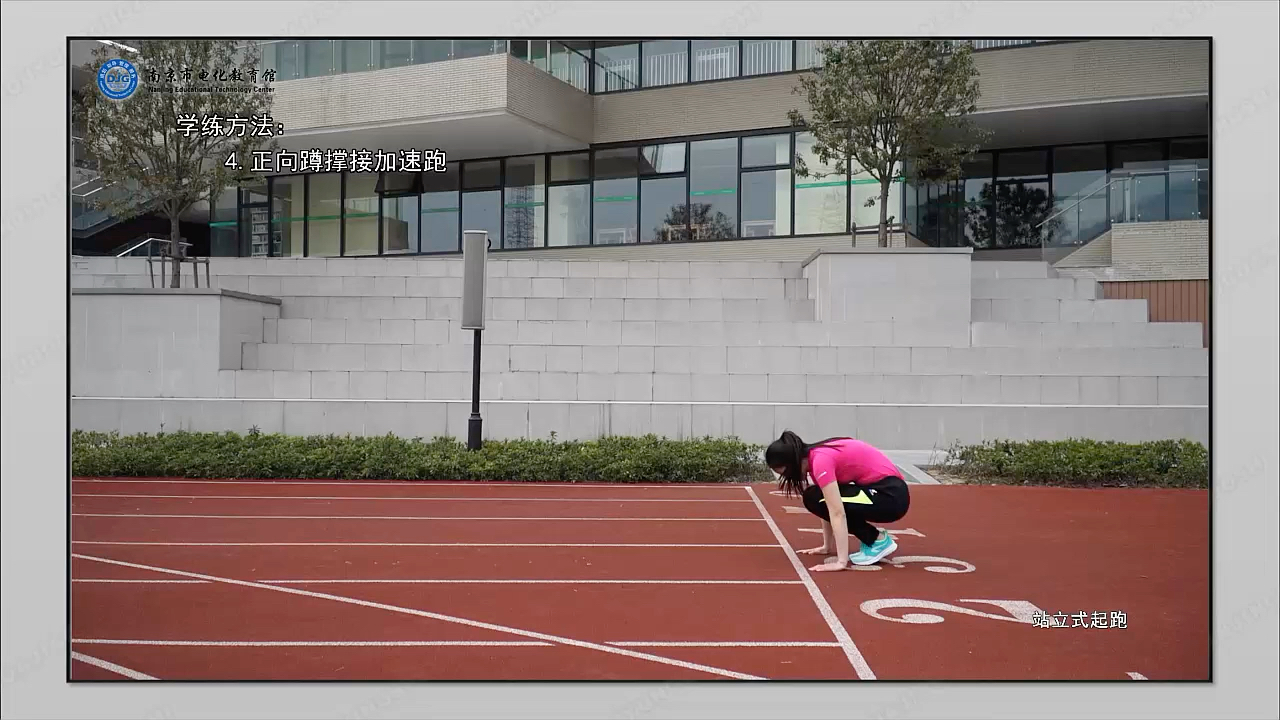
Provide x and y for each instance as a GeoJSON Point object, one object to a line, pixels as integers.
{"type": "Point", "coordinates": [884, 212]}
{"type": "Point", "coordinates": [175, 250]}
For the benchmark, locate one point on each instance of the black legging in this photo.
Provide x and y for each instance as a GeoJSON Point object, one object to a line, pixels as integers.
{"type": "Point", "coordinates": [889, 497]}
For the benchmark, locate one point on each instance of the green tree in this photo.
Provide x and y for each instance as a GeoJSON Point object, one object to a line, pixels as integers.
{"type": "Point", "coordinates": [172, 144]}
{"type": "Point", "coordinates": [711, 224]}
{"type": "Point", "coordinates": [881, 102]}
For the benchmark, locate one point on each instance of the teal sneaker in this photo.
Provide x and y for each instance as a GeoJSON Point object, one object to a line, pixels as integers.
{"type": "Point", "coordinates": [874, 553]}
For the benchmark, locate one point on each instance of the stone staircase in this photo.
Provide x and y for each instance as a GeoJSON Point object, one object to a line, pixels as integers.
{"type": "Point", "coordinates": [585, 347]}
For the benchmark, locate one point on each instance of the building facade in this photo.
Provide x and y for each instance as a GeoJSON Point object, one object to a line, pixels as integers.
{"type": "Point", "coordinates": [661, 266]}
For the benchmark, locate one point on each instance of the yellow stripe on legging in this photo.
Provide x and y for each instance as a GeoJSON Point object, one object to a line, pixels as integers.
{"type": "Point", "coordinates": [860, 499]}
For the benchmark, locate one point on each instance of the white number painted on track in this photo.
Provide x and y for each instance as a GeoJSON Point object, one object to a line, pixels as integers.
{"type": "Point", "coordinates": [899, 562]}
{"type": "Point", "coordinates": [1019, 611]}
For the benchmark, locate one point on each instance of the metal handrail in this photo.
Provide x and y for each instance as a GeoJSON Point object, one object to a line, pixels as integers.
{"type": "Point", "coordinates": [1118, 176]}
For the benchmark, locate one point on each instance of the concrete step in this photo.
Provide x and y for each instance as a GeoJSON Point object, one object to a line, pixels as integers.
{"type": "Point", "coordinates": [639, 383]}
{"type": "Point", "coordinates": [1001, 270]}
{"type": "Point", "coordinates": [1036, 289]}
{"type": "Point", "coordinates": [889, 426]}
{"type": "Point", "coordinates": [549, 309]}
{"type": "Point", "coordinates": [455, 355]}
{"type": "Point", "coordinates": [1055, 310]}
{"type": "Point", "coordinates": [1087, 334]}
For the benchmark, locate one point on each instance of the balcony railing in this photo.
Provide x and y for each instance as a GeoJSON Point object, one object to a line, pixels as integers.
{"type": "Point", "coordinates": [1125, 196]}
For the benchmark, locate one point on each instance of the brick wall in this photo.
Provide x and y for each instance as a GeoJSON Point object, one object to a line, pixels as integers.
{"type": "Point", "coordinates": [1161, 251]}
{"type": "Point", "coordinates": [537, 96]}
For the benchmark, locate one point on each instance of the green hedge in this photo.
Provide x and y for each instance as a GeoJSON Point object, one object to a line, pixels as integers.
{"type": "Point", "coordinates": [256, 455]}
{"type": "Point", "coordinates": [1083, 463]}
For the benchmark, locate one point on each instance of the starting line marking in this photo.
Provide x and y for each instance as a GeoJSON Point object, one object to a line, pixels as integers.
{"type": "Point", "coordinates": [111, 667]}
{"type": "Point", "coordinates": [442, 581]}
{"type": "Point", "coordinates": [851, 651]}
{"type": "Point", "coordinates": [408, 497]}
{"type": "Point", "coordinates": [413, 517]}
{"type": "Point", "coordinates": [1136, 676]}
{"type": "Point", "coordinates": [424, 544]}
{"type": "Point", "coordinates": [443, 643]}
{"type": "Point", "coordinates": [436, 616]}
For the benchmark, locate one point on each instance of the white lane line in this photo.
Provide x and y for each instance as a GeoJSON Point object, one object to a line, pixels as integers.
{"type": "Point", "coordinates": [851, 651]}
{"type": "Point", "coordinates": [1136, 676]}
{"type": "Point", "coordinates": [112, 667]}
{"type": "Point", "coordinates": [414, 483]}
{"type": "Point", "coordinates": [436, 616]}
{"type": "Point", "coordinates": [408, 497]}
{"type": "Point", "coordinates": [425, 544]}
{"type": "Point", "coordinates": [449, 581]}
{"type": "Point", "coordinates": [443, 643]}
{"type": "Point", "coordinates": [318, 643]}
{"type": "Point", "coordinates": [414, 517]}
{"type": "Point", "coordinates": [713, 644]}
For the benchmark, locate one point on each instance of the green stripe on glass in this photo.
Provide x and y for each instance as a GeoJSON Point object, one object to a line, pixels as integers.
{"type": "Point", "coordinates": [323, 217]}
{"type": "Point", "coordinates": [524, 205]}
{"type": "Point", "coordinates": [439, 210]}
{"type": "Point", "coordinates": [616, 198]}
{"type": "Point", "coordinates": [726, 191]}
{"type": "Point", "coordinates": [825, 183]}
{"type": "Point", "coordinates": [224, 223]}
{"type": "Point", "coordinates": [870, 181]}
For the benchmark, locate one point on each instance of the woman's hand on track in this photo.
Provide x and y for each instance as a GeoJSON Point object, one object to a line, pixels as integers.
{"type": "Point", "coordinates": [831, 565]}
{"type": "Point", "coordinates": [823, 550]}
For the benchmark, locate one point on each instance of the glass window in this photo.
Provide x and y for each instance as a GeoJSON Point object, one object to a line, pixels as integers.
{"type": "Point", "coordinates": [361, 203]}
{"type": "Point", "coordinates": [979, 200]}
{"type": "Point", "coordinates": [568, 211]}
{"type": "Point", "coordinates": [1024, 164]}
{"type": "Point", "coordinates": [324, 215]}
{"type": "Point", "coordinates": [224, 229]}
{"type": "Point", "coordinates": [539, 53]}
{"type": "Point", "coordinates": [766, 203]}
{"type": "Point", "coordinates": [520, 50]}
{"type": "Point", "coordinates": [664, 213]}
{"type": "Point", "coordinates": [766, 150]}
{"type": "Point", "coordinates": [441, 211]}
{"type": "Point", "coordinates": [319, 57]}
{"type": "Point", "coordinates": [1189, 179]}
{"type": "Point", "coordinates": [396, 53]}
{"type": "Point", "coordinates": [1079, 195]}
{"type": "Point", "coordinates": [524, 202]}
{"type": "Point", "coordinates": [482, 210]}
{"type": "Point", "coordinates": [399, 212]}
{"type": "Point", "coordinates": [662, 159]}
{"type": "Point", "coordinates": [570, 167]}
{"type": "Point", "coordinates": [484, 174]}
{"type": "Point", "coordinates": [666, 62]}
{"type": "Point", "coordinates": [357, 55]}
{"type": "Point", "coordinates": [713, 189]}
{"type": "Point", "coordinates": [288, 60]}
{"type": "Point", "coordinates": [617, 66]}
{"type": "Point", "coordinates": [287, 220]}
{"type": "Point", "coordinates": [616, 163]}
{"type": "Point", "coordinates": [715, 59]}
{"type": "Point", "coordinates": [865, 189]}
{"type": "Point", "coordinates": [762, 57]}
{"type": "Point", "coordinates": [822, 198]}
{"type": "Point", "coordinates": [429, 51]}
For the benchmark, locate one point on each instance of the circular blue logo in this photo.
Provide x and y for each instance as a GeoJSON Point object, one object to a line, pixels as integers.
{"type": "Point", "coordinates": [117, 79]}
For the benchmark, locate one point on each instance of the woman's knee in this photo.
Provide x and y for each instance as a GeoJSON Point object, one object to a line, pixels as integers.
{"type": "Point", "coordinates": [813, 500]}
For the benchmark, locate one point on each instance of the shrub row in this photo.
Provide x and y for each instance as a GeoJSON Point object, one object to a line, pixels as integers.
{"type": "Point", "coordinates": [648, 459]}
{"type": "Point", "coordinates": [255, 455]}
{"type": "Point", "coordinates": [1083, 463]}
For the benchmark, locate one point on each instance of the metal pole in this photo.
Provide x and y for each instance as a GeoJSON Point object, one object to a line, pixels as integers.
{"type": "Point", "coordinates": [474, 423]}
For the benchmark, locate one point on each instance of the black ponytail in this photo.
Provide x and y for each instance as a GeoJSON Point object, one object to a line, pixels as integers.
{"type": "Point", "coordinates": [787, 453]}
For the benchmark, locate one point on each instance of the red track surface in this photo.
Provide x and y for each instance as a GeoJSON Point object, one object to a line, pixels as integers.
{"type": "Point", "coordinates": [301, 580]}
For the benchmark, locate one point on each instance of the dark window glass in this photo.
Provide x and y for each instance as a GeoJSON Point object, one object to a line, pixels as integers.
{"type": "Point", "coordinates": [614, 205]}
{"type": "Point", "coordinates": [713, 189]}
{"type": "Point", "coordinates": [765, 150]}
{"type": "Point", "coordinates": [662, 159]}
{"type": "Point", "coordinates": [441, 211]}
{"type": "Point", "coordinates": [570, 167]}
{"type": "Point", "coordinates": [618, 163]}
{"type": "Point", "coordinates": [663, 210]}
{"type": "Point", "coordinates": [766, 203]}
{"type": "Point", "coordinates": [484, 174]}
{"type": "Point", "coordinates": [482, 210]}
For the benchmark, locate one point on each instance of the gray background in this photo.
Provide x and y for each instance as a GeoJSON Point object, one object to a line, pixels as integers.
{"type": "Point", "coordinates": [35, 382]}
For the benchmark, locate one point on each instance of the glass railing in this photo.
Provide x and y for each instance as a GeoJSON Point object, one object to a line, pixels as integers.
{"type": "Point", "coordinates": [1125, 196]}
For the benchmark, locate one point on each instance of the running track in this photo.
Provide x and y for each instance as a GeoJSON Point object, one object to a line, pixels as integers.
{"type": "Point", "coordinates": [298, 580]}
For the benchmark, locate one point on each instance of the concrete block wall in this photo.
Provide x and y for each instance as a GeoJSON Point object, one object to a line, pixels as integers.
{"type": "Point", "coordinates": [679, 348]}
